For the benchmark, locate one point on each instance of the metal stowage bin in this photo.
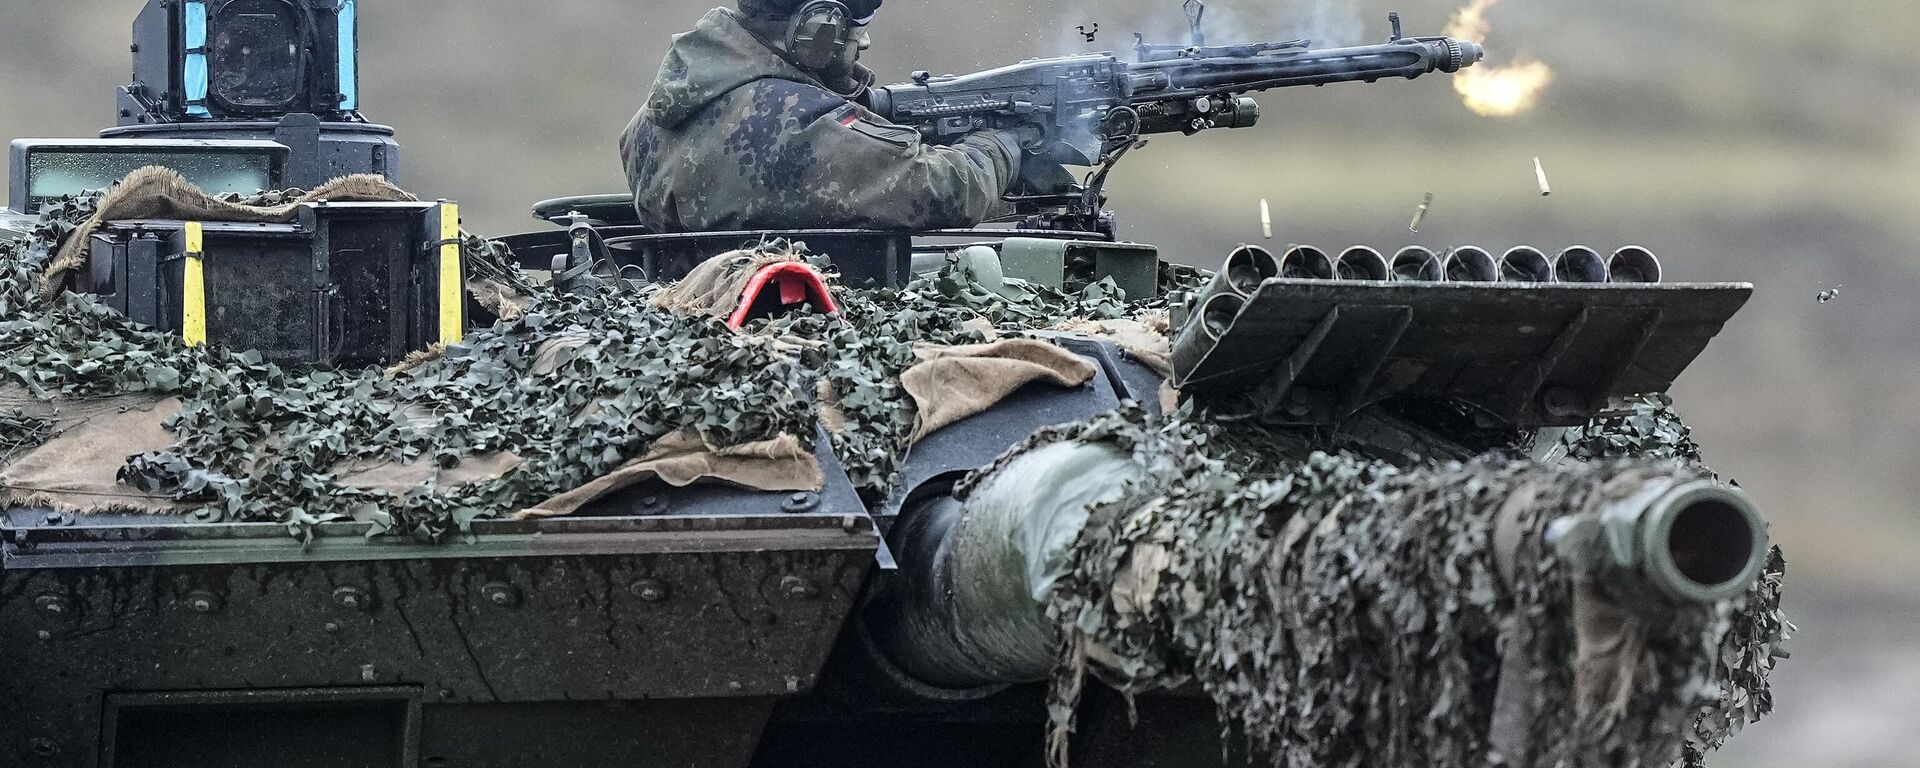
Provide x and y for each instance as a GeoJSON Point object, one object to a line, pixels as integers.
{"type": "Point", "coordinates": [380, 280]}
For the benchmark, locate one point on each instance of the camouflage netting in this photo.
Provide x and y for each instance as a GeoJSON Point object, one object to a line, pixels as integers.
{"type": "Point", "coordinates": [1341, 612]}
{"type": "Point", "coordinates": [1348, 612]}
{"type": "Point", "coordinates": [567, 389]}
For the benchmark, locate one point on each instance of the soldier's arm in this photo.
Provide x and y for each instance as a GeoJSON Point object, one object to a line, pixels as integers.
{"type": "Point", "coordinates": [893, 177]}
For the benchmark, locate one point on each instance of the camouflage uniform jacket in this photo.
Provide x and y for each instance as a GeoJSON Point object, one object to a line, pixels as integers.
{"type": "Point", "coordinates": [736, 137]}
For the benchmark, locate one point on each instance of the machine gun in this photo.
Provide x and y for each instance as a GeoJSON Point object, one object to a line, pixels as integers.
{"type": "Point", "coordinates": [1092, 109]}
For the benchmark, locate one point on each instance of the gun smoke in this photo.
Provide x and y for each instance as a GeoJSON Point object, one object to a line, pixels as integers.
{"type": "Point", "coordinates": [1495, 90]}
{"type": "Point", "coordinates": [1328, 23]}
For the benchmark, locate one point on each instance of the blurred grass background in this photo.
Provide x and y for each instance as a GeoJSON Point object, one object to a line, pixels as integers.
{"type": "Point", "coordinates": [1771, 141]}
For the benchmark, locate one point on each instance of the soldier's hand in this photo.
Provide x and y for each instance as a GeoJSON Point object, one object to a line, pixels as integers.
{"type": "Point", "coordinates": [1042, 176]}
{"type": "Point", "coordinates": [1026, 135]}
{"type": "Point", "coordinates": [1017, 140]}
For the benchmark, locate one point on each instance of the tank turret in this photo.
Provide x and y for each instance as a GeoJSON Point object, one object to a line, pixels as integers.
{"type": "Point", "coordinates": [899, 498]}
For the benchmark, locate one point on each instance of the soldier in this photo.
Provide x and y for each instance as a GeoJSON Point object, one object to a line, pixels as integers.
{"type": "Point", "coordinates": [755, 122]}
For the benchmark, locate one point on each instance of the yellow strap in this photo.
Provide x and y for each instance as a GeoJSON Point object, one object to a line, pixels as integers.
{"type": "Point", "coordinates": [453, 295]}
{"type": "Point", "coordinates": [193, 292]}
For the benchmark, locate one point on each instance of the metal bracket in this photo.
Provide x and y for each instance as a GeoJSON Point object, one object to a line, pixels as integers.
{"type": "Point", "coordinates": [1317, 351]}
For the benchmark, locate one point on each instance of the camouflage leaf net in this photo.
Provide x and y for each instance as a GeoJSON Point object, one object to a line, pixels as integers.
{"type": "Point", "coordinates": [862, 354]}
{"type": "Point", "coordinates": [1647, 428]}
{"type": "Point", "coordinates": [1340, 611]}
{"type": "Point", "coordinates": [257, 442]}
{"type": "Point", "coordinates": [1758, 630]}
{"type": "Point", "coordinates": [261, 442]}
{"type": "Point", "coordinates": [1348, 612]}
{"type": "Point", "coordinates": [1033, 306]}
{"type": "Point", "coordinates": [860, 357]}
{"type": "Point", "coordinates": [20, 430]}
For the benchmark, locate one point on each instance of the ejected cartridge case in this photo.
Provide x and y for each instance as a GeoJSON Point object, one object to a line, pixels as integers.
{"type": "Point", "coordinates": [1420, 214]}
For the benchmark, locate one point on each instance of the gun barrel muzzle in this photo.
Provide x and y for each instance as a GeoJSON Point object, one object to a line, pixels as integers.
{"type": "Point", "coordinates": [1526, 264]}
{"type": "Point", "coordinates": [1634, 264]}
{"type": "Point", "coordinates": [1362, 263]}
{"type": "Point", "coordinates": [1664, 541]}
{"type": "Point", "coordinates": [1418, 264]}
{"type": "Point", "coordinates": [1470, 264]}
{"type": "Point", "coordinates": [1471, 53]}
{"type": "Point", "coordinates": [1580, 264]}
{"type": "Point", "coordinates": [1702, 542]}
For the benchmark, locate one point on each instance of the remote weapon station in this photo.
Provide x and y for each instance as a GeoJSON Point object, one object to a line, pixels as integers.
{"type": "Point", "coordinates": [712, 625]}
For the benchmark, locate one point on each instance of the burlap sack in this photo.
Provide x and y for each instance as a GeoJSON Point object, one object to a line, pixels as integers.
{"type": "Point", "coordinates": [714, 287]}
{"type": "Point", "coordinates": [832, 415]}
{"type": "Point", "coordinates": [397, 479]}
{"type": "Point", "coordinates": [1144, 339]}
{"type": "Point", "coordinates": [155, 192]}
{"type": "Point", "coordinates": [951, 383]}
{"type": "Point", "coordinates": [682, 459]}
{"type": "Point", "coordinates": [548, 357]}
{"type": "Point", "coordinates": [63, 412]}
{"type": "Point", "coordinates": [77, 471]}
{"type": "Point", "coordinates": [504, 302]}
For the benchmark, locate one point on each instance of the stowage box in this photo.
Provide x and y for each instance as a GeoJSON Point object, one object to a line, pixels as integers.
{"type": "Point", "coordinates": [343, 284]}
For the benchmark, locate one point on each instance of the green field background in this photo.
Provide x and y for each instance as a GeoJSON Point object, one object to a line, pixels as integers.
{"type": "Point", "coordinates": [1767, 141]}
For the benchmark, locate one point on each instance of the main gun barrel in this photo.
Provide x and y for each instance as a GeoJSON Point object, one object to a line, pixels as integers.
{"type": "Point", "coordinates": [969, 608]}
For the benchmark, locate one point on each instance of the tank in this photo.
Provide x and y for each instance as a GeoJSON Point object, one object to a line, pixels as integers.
{"type": "Point", "coordinates": [1356, 508]}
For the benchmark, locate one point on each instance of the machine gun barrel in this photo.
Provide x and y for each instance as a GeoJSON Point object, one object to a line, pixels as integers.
{"type": "Point", "coordinates": [1183, 78]}
{"type": "Point", "coordinates": [1090, 107]}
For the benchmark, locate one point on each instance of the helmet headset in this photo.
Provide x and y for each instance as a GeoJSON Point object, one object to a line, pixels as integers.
{"type": "Point", "coordinates": [820, 33]}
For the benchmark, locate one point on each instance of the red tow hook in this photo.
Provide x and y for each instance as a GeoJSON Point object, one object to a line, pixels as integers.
{"type": "Point", "coordinates": [792, 285]}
